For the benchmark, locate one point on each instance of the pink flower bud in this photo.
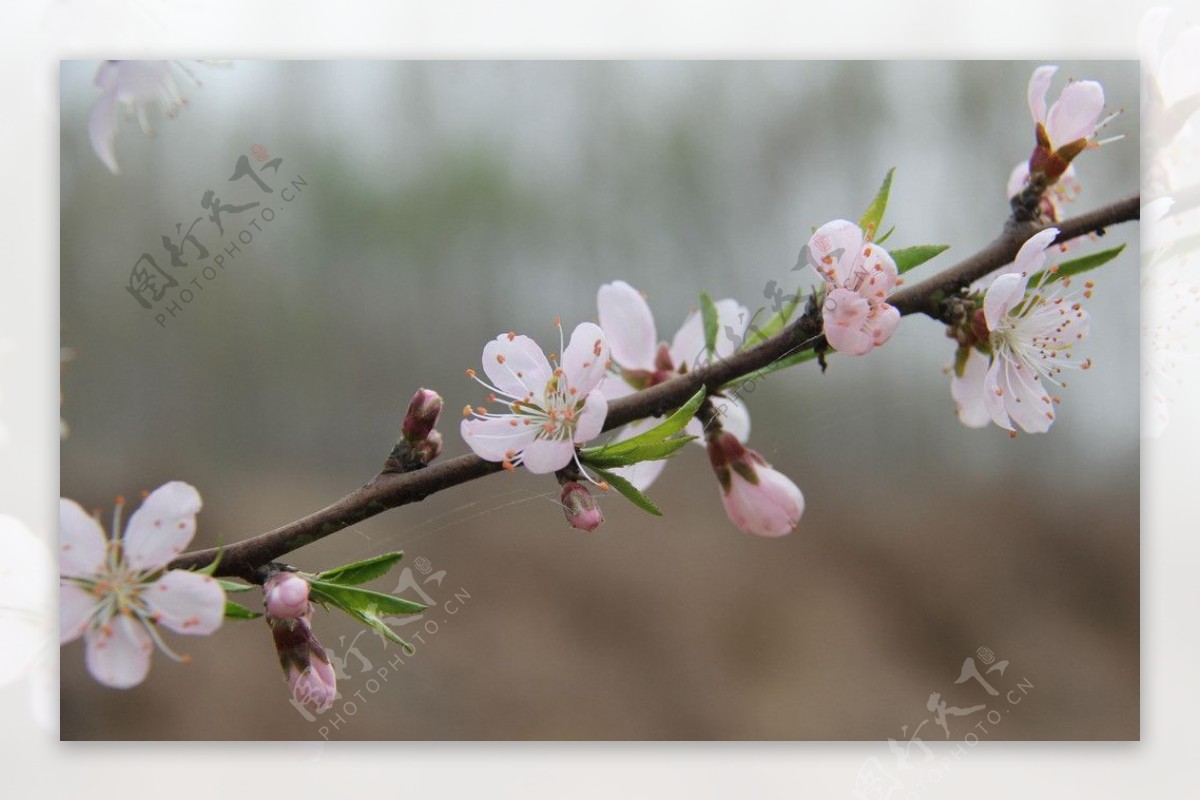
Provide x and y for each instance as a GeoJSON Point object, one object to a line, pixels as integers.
{"type": "Point", "coordinates": [315, 686]}
{"type": "Point", "coordinates": [286, 595]}
{"type": "Point", "coordinates": [758, 499]}
{"type": "Point", "coordinates": [428, 449]}
{"type": "Point", "coordinates": [580, 507]}
{"type": "Point", "coordinates": [423, 411]}
{"type": "Point", "coordinates": [306, 666]}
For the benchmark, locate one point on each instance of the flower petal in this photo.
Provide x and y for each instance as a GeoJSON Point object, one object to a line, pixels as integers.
{"type": "Point", "coordinates": [731, 327]}
{"type": "Point", "coordinates": [733, 416]}
{"type": "Point", "coordinates": [591, 417]}
{"type": "Point", "coordinates": [547, 455]}
{"type": "Point", "coordinates": [186, 602]}
{"type": "Point", "coordinates": [82, 541]}
{"type": "Point", "coordinates": [628, 325]}
{"type": "Point", "coordinates": [495, 438]}
{"type": "Point", "coordinates": [1032, 255]}
{"type": "Point", "coordinates": [967, 390]}
{"type": "Point", "coordinates": [1017, 180]}
{"type": "Point", "coordinates": [1039, 84]}
{"type": "Point", "coordinates": [878, 271]}
{"type": "Point", "coordinates": [75, 609]}
{"type": "Point", "coordinates": [687, 347]}
{"type": "Point", "coordinates": [845, 316]}
{"type": "Point", "coordinates": [772, 507]}
{"type": "Point", "coordinates": [516, 366]}
{"type": "Point", "coordinates": [642, 474]}
{"type": "Point", "coordinates": [1005, 292]}
{"type": "Point", "coordinates": [834, 249]}
{"type": "Point", "coordinates": [102, 131]}
{"type": "Point", "coordinates": [162, 526]}
{"type": "Point", "coordinates": [1075, 114]}
{"type": "Point", "coordinates": [1025, 398]}
{"type": "Point", "coordinates": [993, 394]}
{"type": "Point", "coordinates": [585, 360]}
{"type": "Point", "coordinates": [613, 387]}
{"type": "Point", "coordinates": [118, 654]}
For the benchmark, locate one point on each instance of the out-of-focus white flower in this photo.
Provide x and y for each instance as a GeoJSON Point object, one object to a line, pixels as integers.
{"type": "Point", "coordinates": [132, 86]}
{"type": "Point", "coordinates": [26, 617]}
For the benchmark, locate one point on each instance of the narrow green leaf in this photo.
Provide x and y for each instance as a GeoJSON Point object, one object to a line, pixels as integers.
{"type": "Point", "coordinates": [708, 314]}
{"type": "Point", "coordinates": [874, 213]}
{"type": "Point", "coordinates": [234, 586]}
{"type": "Point", "coordinates": [779, 364]}
{"type": "Point", "coordinates": [907, 258]}
{"type": "Point", "coordinates": [362, 572]}
{"type": "Point", "coordinates": [211, 567]}
{"type": "Point", "coordinates": [356, 598]}
{"type": "Point", "coordinates": [646, 453]}
{"type": "Point", "coordinates": [631, 492]}
{"type": "Point", "coordinates": [1080, 265]}
{"type": "Point", "coordinates": [239, 612]}
{"type": "Point", "coordinates": [884, 238]}
{"type": "Point", "coordinates": [773, 325]}
{"type": "Point", "coordinates": [669, 427]}
{"type": "Point", "coordinates": [380, 625]}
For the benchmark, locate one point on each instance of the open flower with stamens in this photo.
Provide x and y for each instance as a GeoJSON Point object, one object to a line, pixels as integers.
{"type": "Point", "coordinates": [641, 361]}
{"type": "Point", "coordinates": [136, 86]}
{"type": "Point", "coordinates": [1067, 127]}
{"type": "Point", "coordinates": [859, 275]}
{"type": "Point", "coordinates": [114, 592]}
{"type": "Point", "coordinates": [1032, 334]}
{"type": "Point", "coordinates": [552, 406]}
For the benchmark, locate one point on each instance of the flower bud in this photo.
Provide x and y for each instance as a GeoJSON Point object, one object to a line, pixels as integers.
{"type": "Point", "coordinates": [286, 595]}
{"type": "Point", "coordinates": [427, 449]}
{"type": "Point", "coordinates": [758, 499]}
{"type": "Point", "coordinates": [423, 411]}
{"type": "Point", "coordinates": [580, 507]}
{"type": "Point", "coordinates": [305, 664]}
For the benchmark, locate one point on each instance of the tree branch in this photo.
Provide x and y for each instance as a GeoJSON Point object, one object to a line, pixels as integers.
{"type": "Point", "coordinates": [390, 490]}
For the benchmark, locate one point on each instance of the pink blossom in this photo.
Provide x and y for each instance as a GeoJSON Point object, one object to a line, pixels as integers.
{"type": "Point", "coordinates": [758, 499]}
{"type": "Point", "coordinates": [859, 275]}
{"type": "Point", "coordinates": [306, 667]}
{"type": "Point", "coordinates": [580, 507]}
{"type": "Point", "coordinates": [552, 408]}
{"type": "Point", "coordinates": [115, 593]}
{"type": "Point", "coordinates": [286, 595]}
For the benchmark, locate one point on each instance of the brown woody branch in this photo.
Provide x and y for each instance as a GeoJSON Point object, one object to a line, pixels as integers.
{"type": "Point", "coordinates": [390, 489]}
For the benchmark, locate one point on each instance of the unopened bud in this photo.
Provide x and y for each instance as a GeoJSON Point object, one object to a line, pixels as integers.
{"type": "Point", "coordinates": [427, 449]}
{"type": "Point", "coordinates": [306, 666]}
{"type": "Point", "coordinates": [423, 411]}
{"type": "Point", "coordinates": [286, 595]}
{"type": "Point", "coordinates": [757, 498]}
{"type": "Point", "coordinates": [580, 508]}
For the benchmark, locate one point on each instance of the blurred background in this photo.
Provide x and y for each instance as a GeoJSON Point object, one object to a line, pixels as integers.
{"type": "Point", "coordinates": [438, 204]}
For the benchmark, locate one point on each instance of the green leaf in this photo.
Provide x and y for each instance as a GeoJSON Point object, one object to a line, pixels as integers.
{"type": "Point", "coordinates": [239, 612]}
{"type": "Point", "coordinates": [884, 238]}
{"type": "Point", "coordinates": [645, 453]}
{"type": "Point", "coordinates": [362, 572]}
{"type": "Point", "coordinates": [631, 492]}
{"type": "Point", "coordinates": [874, 213]}
{"type": "Point", "coordinates": [915, 256]}
{"type": "Point", "coordinates": [1080, 265]}
{"type": "Point", "coordinates": [781, 364]}
{"type": "Point", "coordinates": [775, 324]}
{"type": "Point", "coordinates": [348, 598]}
{"type": "Point", "coordinates": [708, 314]}
{"type": "Point", "coordinates": [669, 427]}
{"type": "Point", "coordinates": [234, 586]}
{"type": "Point", "coordinates": [211, 567]}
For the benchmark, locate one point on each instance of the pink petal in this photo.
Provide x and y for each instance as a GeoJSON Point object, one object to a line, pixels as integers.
{"type": "Point", "coordinates": [75, 608]}
{"type": "Point", "coordinates": [967, 391]}
{"type": "Point", "coordinates": [845, 315]}
{"type": "Point", "coordinates": [102, 131]}
{"type": "Point", "coordinates": [1076, 113]}
{"type": "Point", "coordinates": [591, 418]}
{"type": "Point", "coordinates": [839, 241]}
{"type": "Point", "coordinates": [882, 323]}
{"type": "Point", "coordinates": [118, 654]}
{"type": "Point", "coordinates": [770, 508]}
{"type": "Point", "coordinates": [1039, 84]}
{"type": "Point", "coordinates": [516, 365]}
{"type": "Point", "coordinates": [1032, 257]}
{"type": "Point", "coordinates": [186, 602]}
{"type": "Point", "coordinates": [162, 526]}
{"type": "Point", "coordinates": [878, 271]}
{"type": "Point", "coordinates": [1005, 292]}
{"type": "Point", "coordinates": [495, 438]}
{"type": "Point", "coordinates": [547, 455]}
{"type": "Point", "coordinates": [628, 325]}
{"type": "Point", "coordinates": [82, 542]}
{"type": "Point", "coordinates": [585, 361]}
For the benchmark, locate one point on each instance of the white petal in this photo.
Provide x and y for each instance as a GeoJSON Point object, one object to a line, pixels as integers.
{"type": "Point", "coordinates": [1031, 257]}
{"type": "Point", "coordinates": [82, 542]}
{"type": "Point", "coordinates": [628, 325]}
{"type": "Point", "coordinates": [993, 395]}
{"type": "Point", "coordinates": [496, 438]}
{"type": "Point", "coordinates": [967, 391]}
{"type": "Point", "coordinates": [1004, 293]}
{"type": "Point", "coordinates": [118, 655]}
{"type": "Point", "coordinates": [1179, 72]}
{"type": "Point", "coordinates": [1039, 84]}
{"type": "Point", "coordinates": [845, 318]}
{"type": "Point", "coordinates": [75, 609]}
{"type": "Point", "coordinates": [882, 323]}
{"type": "Point", "coordinates": [613, 387]}
{"type": "Point", "coordinates": [102, 131]}
{"type": "Point", "coordinates": [1025, 399]}
{"type": "Point", "coordinates": [833, 250]}
{"type": "Point", "coordinates": [547, 455]}
{"type": "Point", "coordinates": [186, 602]}
{"type": "Point", "coordinates": [25, 568]}
{"type": "Point", "coordinates": [878, 271]}
{"type": "Point", "coordinates": [731, 327]}
{"type": "Point", "coordinates": [1017, 180]}
{"type": "Point", "coordinates": [516, 366]}
{"type": "Point", "coordinates": [585, 360]}
{"type": "Point", "coordinates": [1075, 114]}
{"type": "Point", "coordinates": [733, 416]}
{"type": "Point", "coordinates": [642, 474]}
{"type": "Point", "coordinates": [591, 418]}
{"type": "Point", "coordinates": [687, 348]}
{"type": "Point", "coordinates": [162, 526]}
